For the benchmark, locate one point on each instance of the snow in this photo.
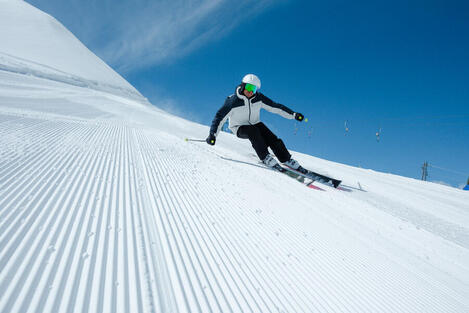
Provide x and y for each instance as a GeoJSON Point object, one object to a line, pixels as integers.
{"type": "Point", "coordinates": [34, 43]}
{"type": "Point", "coordinates": [104, 207]}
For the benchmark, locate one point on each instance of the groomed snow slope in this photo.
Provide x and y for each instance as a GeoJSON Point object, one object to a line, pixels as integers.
{"type": "Point", "coordinates": [105, 208]}
{"type": "Point", "coordinates": [34, 43]}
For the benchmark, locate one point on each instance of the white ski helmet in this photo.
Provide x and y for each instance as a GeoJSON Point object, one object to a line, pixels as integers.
{"type": "Point", "coordinates": [253, 80]}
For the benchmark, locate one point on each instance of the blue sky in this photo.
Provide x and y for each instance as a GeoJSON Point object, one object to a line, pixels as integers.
{"type": "Point", "coordinates": [398, 66]}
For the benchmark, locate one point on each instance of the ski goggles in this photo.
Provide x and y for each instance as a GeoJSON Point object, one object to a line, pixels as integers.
{"type": "Point", "coordinates": [250, 87]}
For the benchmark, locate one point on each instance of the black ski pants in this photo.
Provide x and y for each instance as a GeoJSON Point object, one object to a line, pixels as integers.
{"type": "Point", "coordinates": [261, 138]}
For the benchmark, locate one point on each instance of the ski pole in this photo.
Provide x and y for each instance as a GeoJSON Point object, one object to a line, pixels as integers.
{"type": "Point", "coordinates": [197, 140]}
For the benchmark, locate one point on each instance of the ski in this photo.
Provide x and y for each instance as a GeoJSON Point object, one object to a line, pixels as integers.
{"type": "Point", "coordinates": [314, 176]}
{"type": "Point", "coordinates": [295, 175]}
{"type": "Point", "coordinates": [305, 180]}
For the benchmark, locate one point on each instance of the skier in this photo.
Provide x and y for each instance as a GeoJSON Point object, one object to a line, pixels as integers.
{"type": "Point", "coordinates": [243, 111]}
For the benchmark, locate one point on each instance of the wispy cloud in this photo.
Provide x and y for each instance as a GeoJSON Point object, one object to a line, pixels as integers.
{"type": "Point", "coordinates": [133, 34]}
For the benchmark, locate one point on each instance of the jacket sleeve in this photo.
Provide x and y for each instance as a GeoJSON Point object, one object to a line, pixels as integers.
{"type": "Point", "coordinates": [220, 118]}
{"type": "Point", "coordinates": [276, 108]}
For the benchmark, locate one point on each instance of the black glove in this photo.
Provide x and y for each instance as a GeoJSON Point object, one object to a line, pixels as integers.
{"type": "Point", "coordinates": [299, 117]}
{"type": "Point", "coordinates": [211, 139]}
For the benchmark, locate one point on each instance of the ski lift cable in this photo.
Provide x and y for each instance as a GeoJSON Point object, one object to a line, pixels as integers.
{"type": "Point", "coordinates": [414, 120]}
{"type": "Point", "coordinates": [402, 119]}
{"type": "Point", "coordinates": [448, 170]}
{"type": "Point", "coordinates": [431, 117]}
